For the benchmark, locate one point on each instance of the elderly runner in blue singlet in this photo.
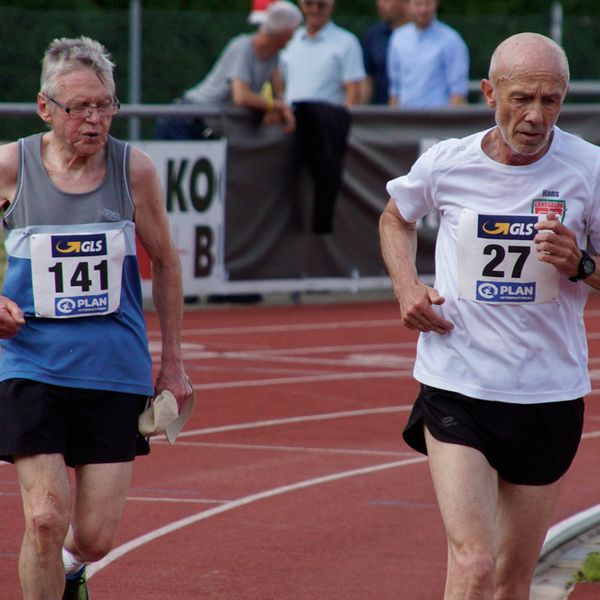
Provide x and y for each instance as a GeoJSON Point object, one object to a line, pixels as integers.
{"type": "Point", "coordinates": [75, 369]}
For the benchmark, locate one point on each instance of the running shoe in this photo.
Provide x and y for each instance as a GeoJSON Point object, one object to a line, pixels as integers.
{"type": "Point", "coordinates": [76, 588]}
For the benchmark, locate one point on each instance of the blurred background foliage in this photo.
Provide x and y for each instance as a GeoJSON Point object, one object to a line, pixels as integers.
{"type": "Point", "coordinates": [183, 38]}
{"type": "Point", "coordinates": [359, 7]}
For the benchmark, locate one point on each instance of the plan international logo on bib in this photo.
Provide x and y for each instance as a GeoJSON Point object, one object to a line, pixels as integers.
{"type": "Point", "coordinates": [507, 258]}
{"type": "Point", "coordinates": [507, 291]}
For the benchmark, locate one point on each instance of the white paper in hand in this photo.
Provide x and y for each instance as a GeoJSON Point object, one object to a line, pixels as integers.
{"type": "Point", "coordinates": [173, 429]}
{"type": "Point", "coordinates": [163, 416]}
{"type": "Point", "coordinates": [154, 420]}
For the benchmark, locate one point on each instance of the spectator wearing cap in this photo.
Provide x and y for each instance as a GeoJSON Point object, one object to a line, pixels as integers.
{"type": "Point", "coordinates": [246, 74]}
{"type": "Point", "coordinates": [258, 13]}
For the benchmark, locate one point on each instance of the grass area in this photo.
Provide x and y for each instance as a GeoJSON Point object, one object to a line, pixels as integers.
{"type": "Point", "coordinates": [590, 570]}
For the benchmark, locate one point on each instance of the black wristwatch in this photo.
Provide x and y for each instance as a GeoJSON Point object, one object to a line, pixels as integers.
{"type": "Point", "coordinates": [587, 265]}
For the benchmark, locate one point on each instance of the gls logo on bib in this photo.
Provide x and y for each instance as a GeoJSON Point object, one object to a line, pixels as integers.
{"type": "Point", "coordinates": [93, 244]}
{"type": "Point", "coordinates": [507, 227]}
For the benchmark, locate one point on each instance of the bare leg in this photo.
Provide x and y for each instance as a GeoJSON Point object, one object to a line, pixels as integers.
{"type": "Point", "coordinates": [46, 492]}
{"type": "Point", "coordinates": [99, 503]}
{"type": "Point", "coordinates": [467, 491]}
{"type": "Point", "coordinates": [524, 515]}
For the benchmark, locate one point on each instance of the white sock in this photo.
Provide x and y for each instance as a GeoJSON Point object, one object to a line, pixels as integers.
{"type": "Point", "coordinates": [70, 563]}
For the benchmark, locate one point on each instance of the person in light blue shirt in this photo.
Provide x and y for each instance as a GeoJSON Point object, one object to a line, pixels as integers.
{"type": "Point", "coordinates": [323, 62]}
{"type": "Point", "coordinates": [428, 61]}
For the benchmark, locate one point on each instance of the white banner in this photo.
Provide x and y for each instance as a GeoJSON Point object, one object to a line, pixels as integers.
{"type": "Point", "coordinates": [193, 178]}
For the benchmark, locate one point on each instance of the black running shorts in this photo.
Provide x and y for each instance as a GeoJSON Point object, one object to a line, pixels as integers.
{"type": "Point", "coordinates": [527, 444]}
{"type": "Point", "coordinates": [86, 426]}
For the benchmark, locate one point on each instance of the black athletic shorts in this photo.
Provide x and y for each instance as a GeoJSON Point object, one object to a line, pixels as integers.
{"type": "Point", "coordinates": [86, 426]}
{"type": "Point", "coordinates": [527, 444]}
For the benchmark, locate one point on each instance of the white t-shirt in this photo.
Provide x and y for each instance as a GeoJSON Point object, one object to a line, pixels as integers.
{"type": "Point", "coordinates": [506, 347]}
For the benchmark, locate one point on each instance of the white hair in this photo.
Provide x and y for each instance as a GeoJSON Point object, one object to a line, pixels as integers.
{"type": "Point", "coordinates": [66, 55]}
{"type": "Point", "coordinates": [281, 16]}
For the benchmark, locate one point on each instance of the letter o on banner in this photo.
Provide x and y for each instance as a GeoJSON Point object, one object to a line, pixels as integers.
{"type": "Point", "coordinates": [202, 184]}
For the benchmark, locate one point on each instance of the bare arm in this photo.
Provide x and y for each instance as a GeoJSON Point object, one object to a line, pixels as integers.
{"type": "Point", "coordinates": [9, 171]}
{"type": "Point", "coordinates": [367, 90]}
{"type": "Point", "coordinates": [11, 316]}
{"type": "Point", "coordinates": [276, 109]}
{"type": "Point", "coordinates": [354, 92]}
{"type": "Point", "coordinates": [458, 100]}
{"type": "Point", "coordinates": [153, 231]}
{"type": "Point", "coordinates": [399, 248]}
{"type": "Point", "coordinates": [245, 97]}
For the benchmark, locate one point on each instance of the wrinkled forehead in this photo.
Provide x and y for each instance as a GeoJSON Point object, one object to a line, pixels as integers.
{"type": "Point", "coordinates": [84, 81]}
{"type": "Point", "coordinates": [530, 83]}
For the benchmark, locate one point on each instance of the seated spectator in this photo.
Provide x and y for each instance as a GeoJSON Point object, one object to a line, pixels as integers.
{"type": "Point", "coordinates": [246, 74]}
{"type": "Point", "coordinates": [324, 74]}
{"type": "Point", "coordinates": [392, 14]}
{"type": "Point", "coordinates": [428, 61]}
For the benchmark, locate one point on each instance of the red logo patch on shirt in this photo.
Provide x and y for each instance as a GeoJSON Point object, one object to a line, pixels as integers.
{"type": "Point", "coordinates": [541, 206]}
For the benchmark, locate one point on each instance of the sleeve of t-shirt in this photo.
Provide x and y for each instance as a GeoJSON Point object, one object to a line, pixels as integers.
{"type": "Point", "coordinates": [412, 192]}
{"type": "Point", "coordinates": [456, 59]}
{"type": "Point", "coordinates": [353, 67]}
{"type": "Point", "coordinates": [240, 61]}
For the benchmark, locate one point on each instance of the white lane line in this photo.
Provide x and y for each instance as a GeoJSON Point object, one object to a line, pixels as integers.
{"type": "Point", "coordinates": [155, 347]}
{"type": "Point", "coordinates": [135, 543]}
{"type": "Point", "coordinates": [302, 379]}
{"type": "Point", "coordinates": [290, 449]}
{"type": "Point", "coordinates": [350, 360]}
{"type": "Point", "coordinates": [175, 500]}
{"type": "Point", "coordinates": [346, 348]}
{"type": "Point", "coordinates": [287, 327]}
{"type": "Point", "coordinates": [301, 419]}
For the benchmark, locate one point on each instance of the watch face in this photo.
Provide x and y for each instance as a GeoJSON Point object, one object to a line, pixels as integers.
{"type": "Point", "coordinates": [588, 266]}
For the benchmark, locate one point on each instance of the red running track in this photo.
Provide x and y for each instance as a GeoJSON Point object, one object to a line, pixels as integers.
{"type": "Point", "coordinates": [292, 481]}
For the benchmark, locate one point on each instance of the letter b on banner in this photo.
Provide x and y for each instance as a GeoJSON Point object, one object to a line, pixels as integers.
{"type": "Point", "coordinates": [192, 174]}
{"type": "Point", "coordinates": [203, 256]}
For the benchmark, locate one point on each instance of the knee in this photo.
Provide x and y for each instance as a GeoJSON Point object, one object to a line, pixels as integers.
{"type": "Point", "coordinates": [48, 521]}
{"type": "Point", "coordinates": [93, 546]}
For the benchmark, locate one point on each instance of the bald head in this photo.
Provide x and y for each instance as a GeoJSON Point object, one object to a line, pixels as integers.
{"type": "Point", "coordinates": [526, 53]}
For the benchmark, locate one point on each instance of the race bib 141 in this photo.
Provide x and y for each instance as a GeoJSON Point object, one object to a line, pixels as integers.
{"type": "Point", "coordinates": [77, 275]}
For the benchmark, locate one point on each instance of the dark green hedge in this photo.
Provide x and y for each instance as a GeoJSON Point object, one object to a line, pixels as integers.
{"type": "Point", "coordinates": [355, 7]}
{"type": "Point", "coordinates": [180, 46]}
